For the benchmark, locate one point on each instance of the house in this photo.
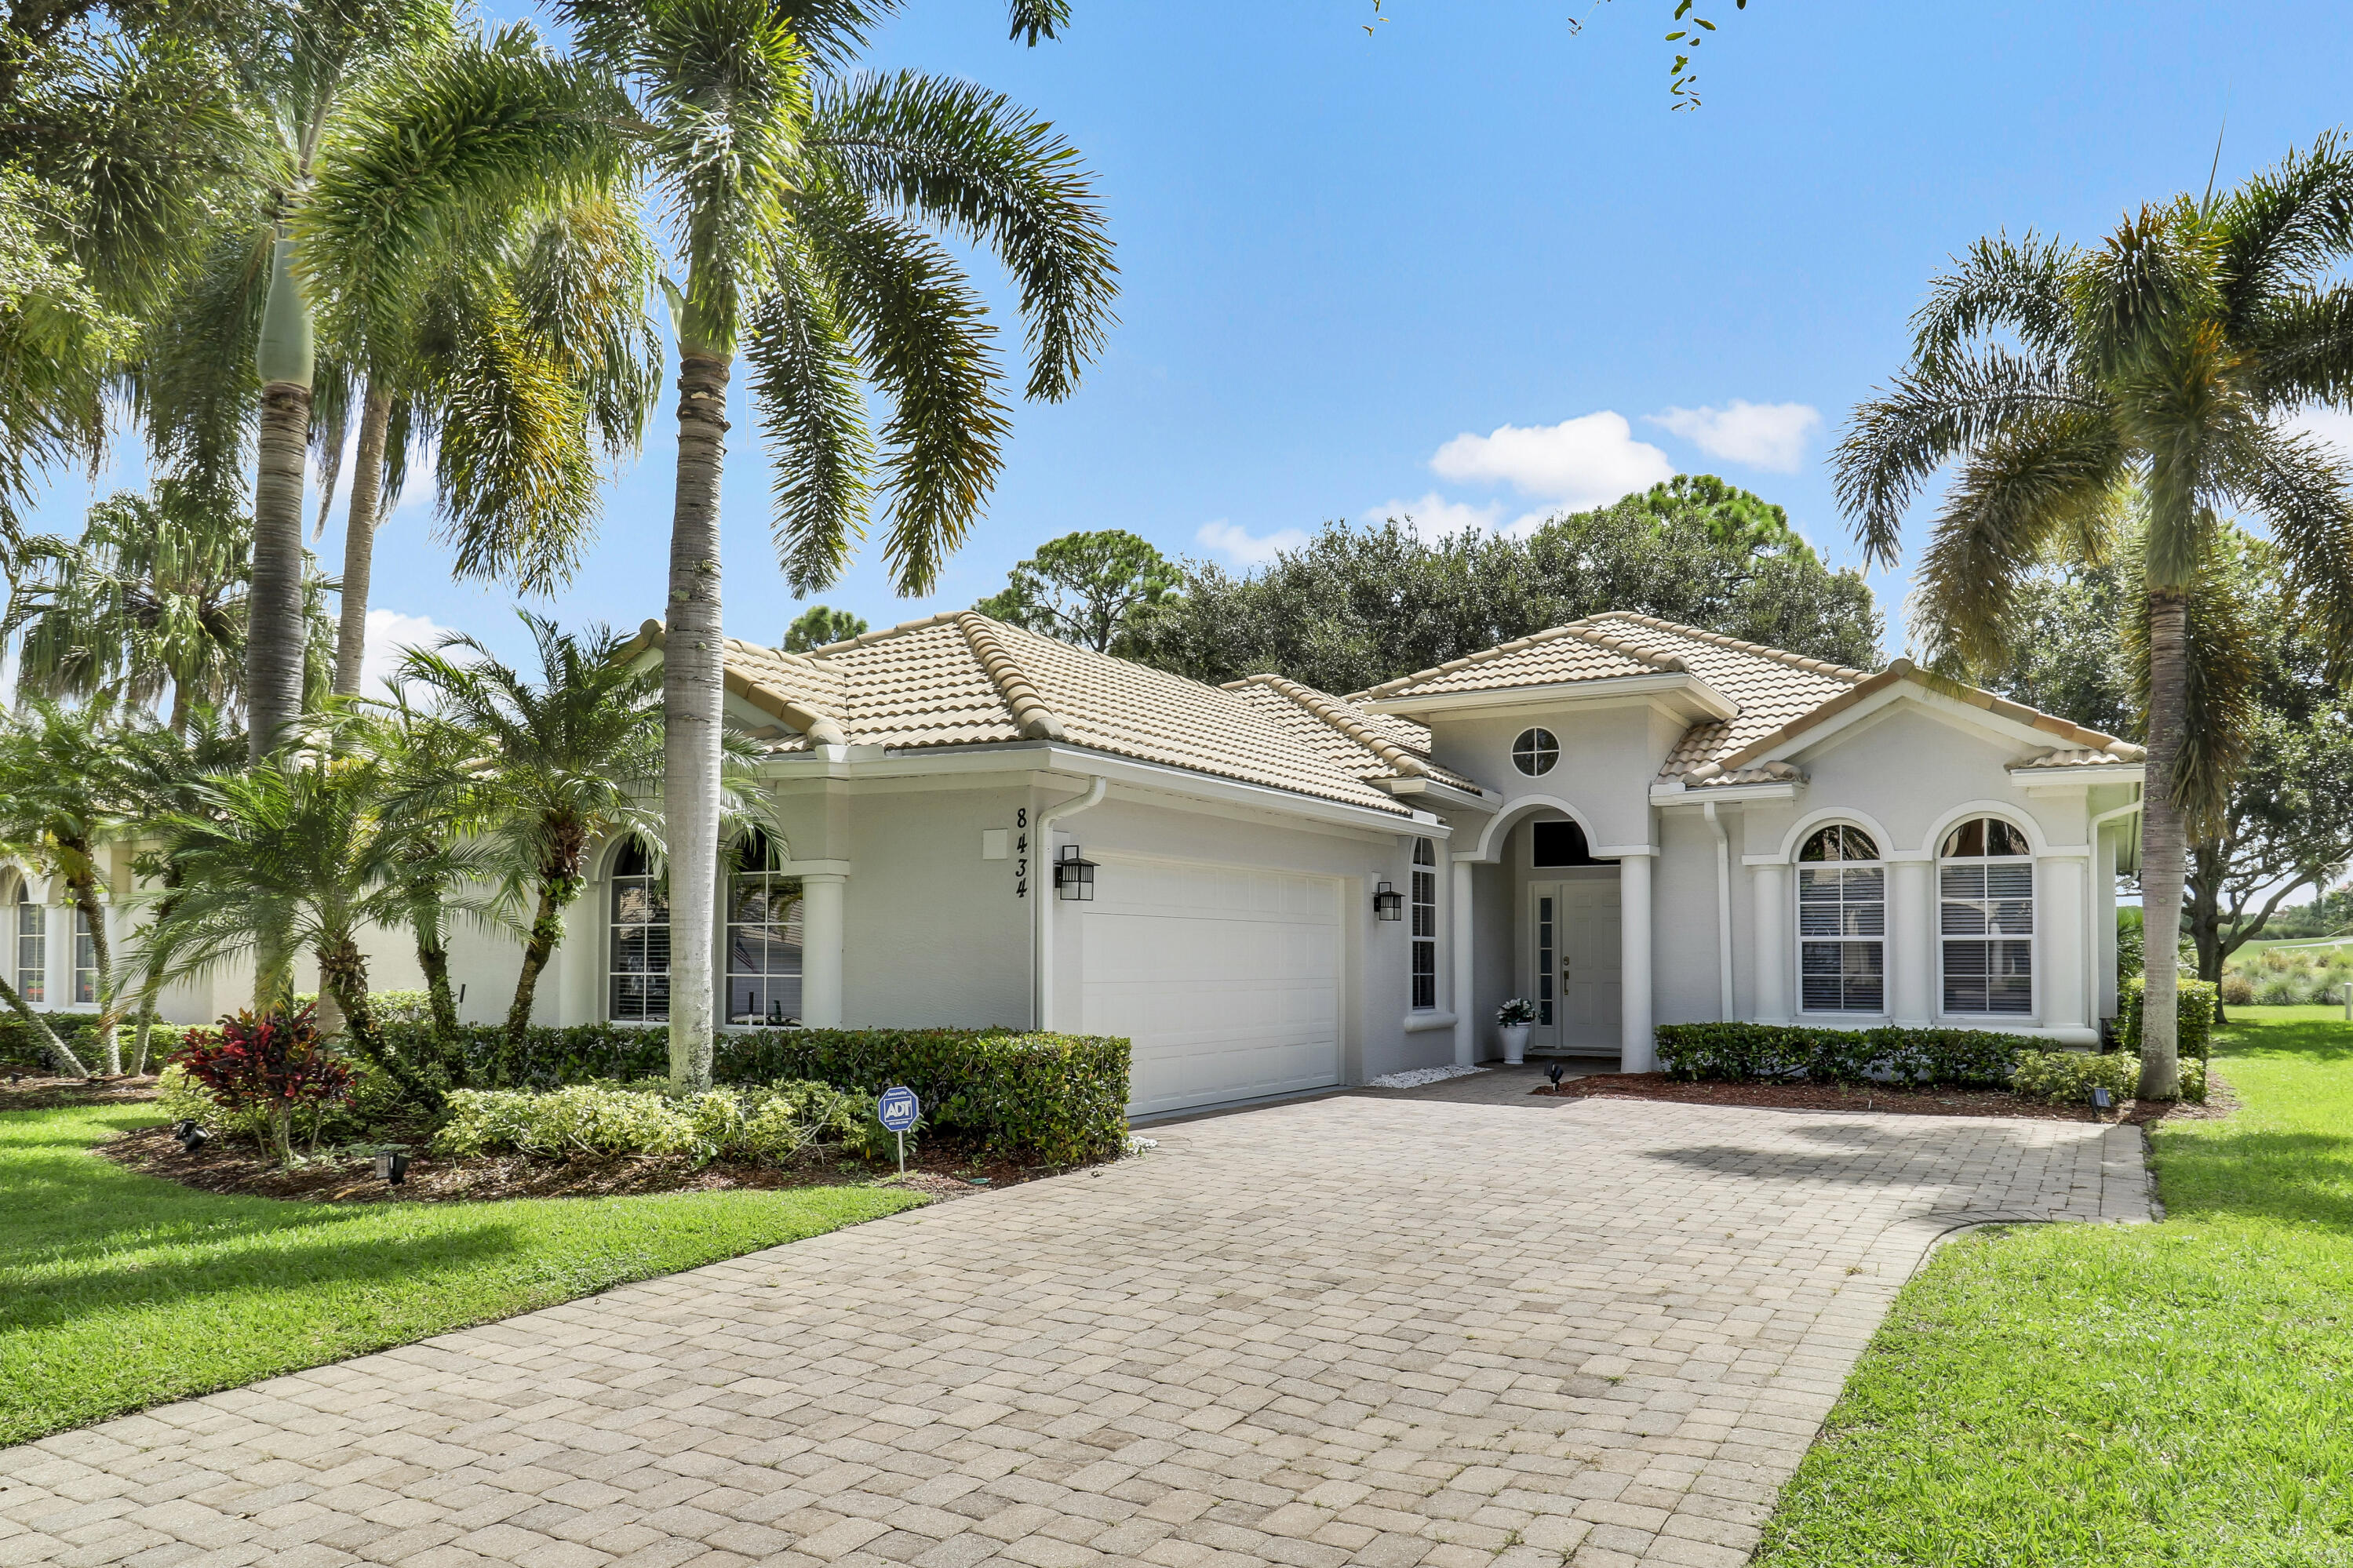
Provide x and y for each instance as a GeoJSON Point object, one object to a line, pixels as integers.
{"type": "Point", "coordinates": [1271, 888]}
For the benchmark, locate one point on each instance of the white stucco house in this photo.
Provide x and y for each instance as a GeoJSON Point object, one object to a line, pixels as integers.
{"type": "Point", "coordinates": [1273, 890]}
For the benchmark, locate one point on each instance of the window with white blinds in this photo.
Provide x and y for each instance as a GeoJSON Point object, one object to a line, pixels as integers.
{"type": "Point", "coordinates": [1842, 923]}
{"type": "Point", "coordinates": [1425, 925]}
{"type": "Point", "coordinates": [1985, 887]}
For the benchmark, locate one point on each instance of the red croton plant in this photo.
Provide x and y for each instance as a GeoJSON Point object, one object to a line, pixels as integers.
{"type": "Point", "coordinates": [273, 1062]}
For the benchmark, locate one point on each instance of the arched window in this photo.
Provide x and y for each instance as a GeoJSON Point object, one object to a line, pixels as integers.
{"type": "Point", "coordinates": [32, 946]}
{"type": "Point", "coordinates": [1425, 924]}
{"type": "Point", "coordinates": [1841, 922]}
{"type": "Point", "coordinates": [637, 984]}
{"type": "Point", "coordinates": [763, 937]}
{"type": "Point", "coordinates": [1985, 888]}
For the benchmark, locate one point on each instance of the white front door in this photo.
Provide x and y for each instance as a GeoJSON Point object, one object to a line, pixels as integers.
{"type": "Point", "coordinates": [1573, 963]}
{"type": "Point", "coordinates": [1227, 979]}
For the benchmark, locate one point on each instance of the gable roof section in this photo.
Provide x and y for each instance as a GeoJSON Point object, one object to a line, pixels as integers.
{"type": "Point", "coordinates": [2076, 746]}
{"type": "Point", "coordinates": [961, 679]}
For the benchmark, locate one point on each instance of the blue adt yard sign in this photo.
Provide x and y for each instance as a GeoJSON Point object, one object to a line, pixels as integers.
{"type": "Point", "coordinates": [897, 1110]}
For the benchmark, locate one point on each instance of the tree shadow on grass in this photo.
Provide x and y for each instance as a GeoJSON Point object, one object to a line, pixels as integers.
{"type": "Point", "coordinates": [2303, 1177]}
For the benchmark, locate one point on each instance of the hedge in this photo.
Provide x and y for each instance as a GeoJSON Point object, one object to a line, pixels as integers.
{"type": "Point", "coordinates": [2194, 1017]}
{"type": "Point", "coordinates": [2067, 1078]}
{"type": "Point", "coordinates": [22, 1051]}
{"type": "Point", "coordinates": [1058, 1098]}
{"type": "Point", "coordinates": [1977, 1058]}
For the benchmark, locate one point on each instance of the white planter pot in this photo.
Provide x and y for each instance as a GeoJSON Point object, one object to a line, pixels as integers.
{"type": "Point", "coordinates": [1515, 1042]}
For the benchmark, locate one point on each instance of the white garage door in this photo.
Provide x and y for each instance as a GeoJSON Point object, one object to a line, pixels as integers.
{"type": "Point", "coordinates": [1228, 980]}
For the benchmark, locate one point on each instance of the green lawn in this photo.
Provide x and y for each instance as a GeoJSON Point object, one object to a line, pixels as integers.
{"type": "Point", "coordinates": [117, 1290]}
{"type": "Point", "coordinates": [2177, 1393]}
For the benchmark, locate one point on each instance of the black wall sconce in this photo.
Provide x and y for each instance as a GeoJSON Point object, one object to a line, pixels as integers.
{"type": "Point", "coordinates": [1388, 904]}
{"type": "Point", "coordinates": [1074, 876]}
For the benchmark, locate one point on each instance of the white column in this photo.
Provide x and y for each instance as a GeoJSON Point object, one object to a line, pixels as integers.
{"type": "Point", "coordinates": [2103, 920]}
{"type": "Point", "coordinates": [822, 898]}
{"type": "Point", "coordinates": [2059, 941]}
{"type": "Point", "coordinates": [61, 955]}
{"type": "Point", "coordinates": [1637, 1051]}
{"type": "Point", "coordinates": [1773, 956]}
{"type": "Point", "coordinates": [1466, 1025]}
{"type": "Point", "coordinates": [1911, 949]}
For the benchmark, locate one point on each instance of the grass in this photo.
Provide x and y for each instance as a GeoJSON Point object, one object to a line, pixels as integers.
{"type": "Point", "coordinates": [117, 1290]}
{"type": "Point", "coordinates": [2179, 1394]}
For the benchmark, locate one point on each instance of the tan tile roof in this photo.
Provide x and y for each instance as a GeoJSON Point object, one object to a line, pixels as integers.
{"type": "Point", "coordinates": [961, 679]}
{"type": "Point", "coordinates": [2119, 753]}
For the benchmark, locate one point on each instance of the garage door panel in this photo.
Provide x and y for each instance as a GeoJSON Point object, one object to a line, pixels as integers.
{"type": "Point", "coordinates": [1227, 979]}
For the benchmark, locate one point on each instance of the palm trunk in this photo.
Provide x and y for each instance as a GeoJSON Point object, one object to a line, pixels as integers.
{"type": "Point", "coordinates": [2202, 902]}
{"type": "Point", "coordinates": [359, 541]}
{"type": "Point", "coordinates": [546, 930]}
{"type": "Point", "coordinates": [274, 633]}
{"type": "Point", "coordinates": [342, 974]}
{"type": "Point", "coordinates": [109, 1043]}
{"type": "Point", "coordinates": [59, 1052]}
{"type": "Point", "coordinates": [692, 707]}
{"type": "Point", "coordinates": [2162, 847]}
{"type": "Point", "coordinates": [274, 618]}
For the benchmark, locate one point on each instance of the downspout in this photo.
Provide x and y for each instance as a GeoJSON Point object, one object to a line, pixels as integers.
{"type": "Point", "coordinates": [1042, 889]}
{"type": "Point", "coordinates": [1723, 911]}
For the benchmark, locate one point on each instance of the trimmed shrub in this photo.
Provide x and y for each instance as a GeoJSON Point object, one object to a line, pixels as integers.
{"type": "Point", "coordinates": [2068, 1077]}
{"type": "Point", "coordinates": [770, 1124]}
{"type": "Point", "coordinates": [1056, 1099]}
{"type": "Point", "coordinates": [1963, 1058]}
{"type": "Point", "coordinates": [274, 1063]}
{"type": "Point", "coordinates": [2195, 1024]}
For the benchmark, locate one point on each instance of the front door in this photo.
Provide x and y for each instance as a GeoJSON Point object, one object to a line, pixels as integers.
{"type": "Point", "coordinates": [1573, 963]}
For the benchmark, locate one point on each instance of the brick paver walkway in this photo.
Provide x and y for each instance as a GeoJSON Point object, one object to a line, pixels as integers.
{"type": "Point", "coordinates": [1375, 1329]}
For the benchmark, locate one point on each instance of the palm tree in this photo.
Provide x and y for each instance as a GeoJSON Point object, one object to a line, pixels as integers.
{"type": "Point", "coordinates": [152, 595]}
{"type": "Point", "coordinates": [300, 845]}
{"type": "Point", "coordinates": [2163, 363]}
{"type": "Point", "coordinates": [517, 341]}
{"type": "Point", "coordinates": [65, 797]}
{"type": "Point", "coordinates": [796, 195]}
{"type": "Point", "coordinates": [565, 762]}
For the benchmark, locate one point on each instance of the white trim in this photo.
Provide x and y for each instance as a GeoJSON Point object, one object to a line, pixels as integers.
{"type": "Point", "coordinates": [1427, 1023]}
{"type": "Point", "coordinates": [1796, 838]}
{"type": "Point", "coordinates": [1702, 696]}
{"type": "Point", "coordinates": [2081, 775]}
{"type": "Point", "coordinates": [1490, 850]}
{"type": "Point", "coordinates": [1674, 792]}
{"type": "Point", "coordinates": [1934, 844]}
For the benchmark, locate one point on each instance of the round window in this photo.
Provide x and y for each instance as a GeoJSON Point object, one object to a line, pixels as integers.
{"type": "Point", "coordinates": [1535, 751]}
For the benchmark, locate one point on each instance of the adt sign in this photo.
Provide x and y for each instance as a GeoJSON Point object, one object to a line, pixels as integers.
{"type": "Point", "coordinates": [898, 1109]}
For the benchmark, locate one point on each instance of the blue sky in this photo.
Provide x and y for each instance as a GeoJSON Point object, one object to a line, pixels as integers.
{"type": "Point", "coordinates": [1471, 267]}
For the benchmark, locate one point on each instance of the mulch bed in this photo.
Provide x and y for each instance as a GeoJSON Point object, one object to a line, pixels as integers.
{"type": "Point", "coordinates": [1900, 1099]}
{"type": "Point", "coordinates": [940, 1168]}
{"type": "Point", "coordinates": [43, 1093]}
{"type": "Point", "coordinates": [940, 1171]}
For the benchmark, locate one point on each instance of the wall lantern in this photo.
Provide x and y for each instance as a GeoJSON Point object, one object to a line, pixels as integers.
{"type": "Point", "coordinates": [1074, 877]}
{"type": "Point", "coordinates": [1388, 904]}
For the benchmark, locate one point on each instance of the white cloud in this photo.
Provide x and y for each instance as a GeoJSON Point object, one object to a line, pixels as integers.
{"type": "Point", "coordinates": [2329, 425]}
{"type": "Point", "coordinates": [1435, 517]}
{"type": "Point", "coordinates": [1245, 548]}
{"type": "Point", "coordinates": [1769, 436]}
{"type": "Point", "coordinates": [1589, 462]}
{"type": "Point", "coordinates": [390, 635]}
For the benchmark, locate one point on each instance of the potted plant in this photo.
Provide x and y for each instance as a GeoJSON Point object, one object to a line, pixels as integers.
{"type": "Point", "coordinates": [1513, 1019]}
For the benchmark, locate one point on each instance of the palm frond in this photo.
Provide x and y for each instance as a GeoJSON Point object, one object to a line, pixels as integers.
{"type": "Point", "coordinates": [2016, 497]}
{"type": "Point", "coordinates": [1998, 284]}
{"type": "Point", "coordinates": [927, 338]}
{"type": "Point", "coordinates": [1897, 440]}
{"type": "Point", "coordinates": [806, 386]}
{"type": "Point", "coordinates": [2299, 348]}
{"type": "Point", "coordinates": [2285, 227]}
{"type": "Point", "coordinates": [2133, 296]}
{"type": "Point", "coordinates": [581, 275]}
{"type": "Point", "coordinates": [956, 154]}
{"type": "Point", "coordinates": [2295, 483]}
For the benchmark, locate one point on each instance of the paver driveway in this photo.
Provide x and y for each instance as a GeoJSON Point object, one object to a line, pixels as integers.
{"type": "Point", "coordinates": [1378, 1330]}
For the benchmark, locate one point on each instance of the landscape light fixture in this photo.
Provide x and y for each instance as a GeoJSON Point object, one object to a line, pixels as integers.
{"type": "Point", "coordinates": [1074, 876]}
{"type": "Point", "coordinates": [391, 1166]}
{"type": "Point", "coordinates": [1388, 904]}
{"type": "Point", "coordinates": [1553, 1072]}
{"type": "Point", "coordinates": [194, 1139]}
{"type": "Point", "coordinates": [14, 1078]}
{"type": "Point", "coordinates": [2100, 1101]}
